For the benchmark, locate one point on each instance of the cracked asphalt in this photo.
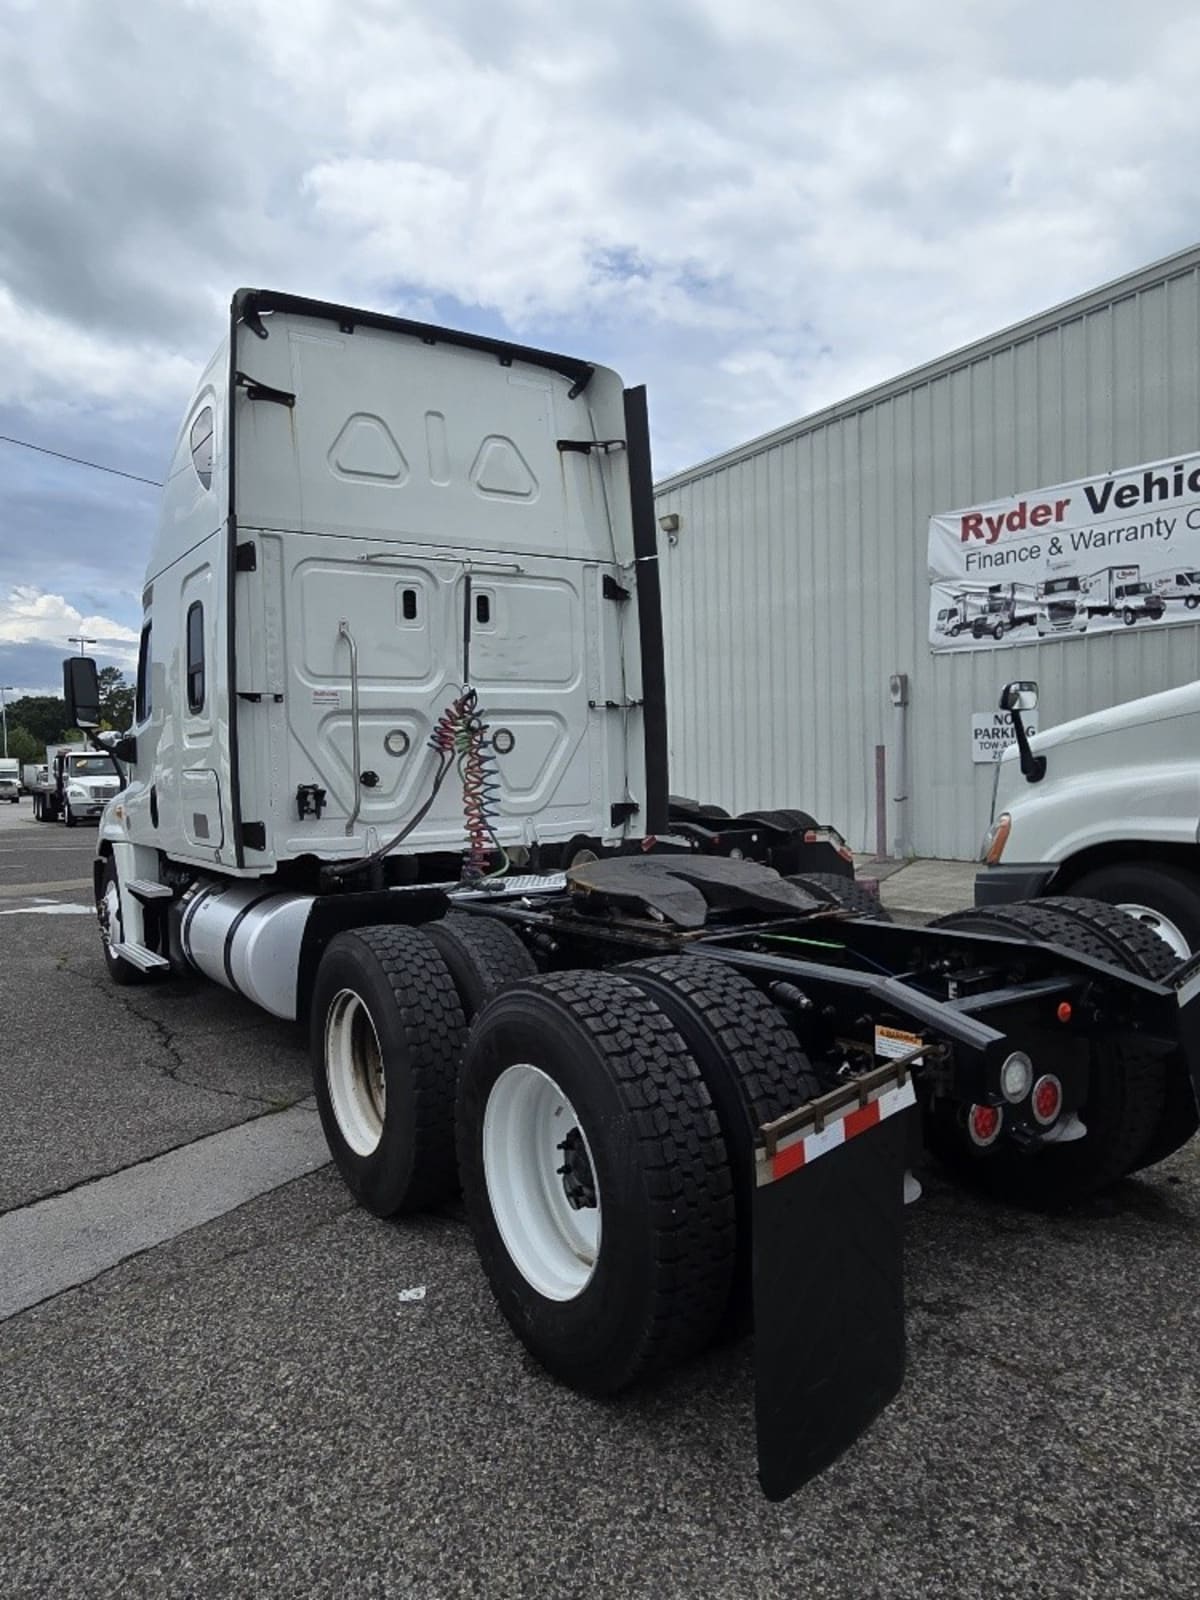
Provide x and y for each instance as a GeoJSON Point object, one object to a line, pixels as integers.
{"type": "Point", "coordinates": [266, 1405]}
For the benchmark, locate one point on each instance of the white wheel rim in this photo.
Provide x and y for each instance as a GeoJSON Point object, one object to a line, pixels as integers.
{"type": "Point", "coordinates": [555, 1245]}
{"type": "Point", "coordinates": [1166, 930]}
{"type": "Point", "coordinates": [110, 913]}
{"type": "Point", "coordinates": [354, 1072]}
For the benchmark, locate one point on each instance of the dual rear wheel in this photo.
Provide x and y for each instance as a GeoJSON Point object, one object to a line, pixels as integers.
{"type": "Point", "coordinates": [600, 1125]}
{"type": "Point", "coordinates": [1139, 1106]}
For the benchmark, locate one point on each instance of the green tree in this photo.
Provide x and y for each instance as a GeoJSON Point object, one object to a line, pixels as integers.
{"type": "Point", "coordinates": [22, 746]}
{"type": "Point", "coordinates": [116, 698]}
{"type": "Point", "coordinates": [41, 715]}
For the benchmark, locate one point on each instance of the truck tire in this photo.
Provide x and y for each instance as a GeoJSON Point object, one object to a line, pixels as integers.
{"type": "Point", "coordinates": [1129, 616]}
{"type": "Point", "coordinates": [482, 955]}
{"type": "Point", "coordinates": [751, 1063]}
{"type": "Point", "coordinates": [844, 893]}
{"type": "Point", "coordinates": [69, 816]}
{"type": "Point", "coordinates": [683, 808]}
{"type": "Point", "coordinates": [1191, 601]}
{"type": "Point", "coordinates": [1127, 1091]}
{"type": "Point", "coordinates": [609, 1249]}
{"type": "Point", "coordinates": [1166, 900]}
{"type": "Point", "coordinates": [387, 1034]}
{"type": "Point", "coordinates": [1150, 956]}
{"type": "Point", "coordinates": [580, 849]}
{"type": "Point", "coordinates": [108, 915]}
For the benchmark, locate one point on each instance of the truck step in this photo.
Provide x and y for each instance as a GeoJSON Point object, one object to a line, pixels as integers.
{"type": "Point", "coordinates": [144, 889]}
{"type": "Point", "coordinates": [138, 956]}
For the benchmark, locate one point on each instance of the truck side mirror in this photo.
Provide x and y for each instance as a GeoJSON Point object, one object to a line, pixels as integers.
{"type": "Point", "coordinates": [1016, 698]}
{"type": "Point", "coordinates": [81, 691]}
{"type": "Point", "coordinates": [1019, 696]}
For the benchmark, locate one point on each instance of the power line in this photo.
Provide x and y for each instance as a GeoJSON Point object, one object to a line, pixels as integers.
{"type": "Point", "coordinates": [79, 461]}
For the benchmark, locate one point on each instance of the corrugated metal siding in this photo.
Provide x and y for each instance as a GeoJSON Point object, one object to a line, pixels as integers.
{"type": "Point", "coordinates": [799, 582]}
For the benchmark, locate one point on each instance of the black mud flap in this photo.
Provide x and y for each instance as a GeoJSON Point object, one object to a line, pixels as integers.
{"type": "Point", "coordinates": [828, 1286]}
{"type": "Point", "coordinates": [1185, 979]}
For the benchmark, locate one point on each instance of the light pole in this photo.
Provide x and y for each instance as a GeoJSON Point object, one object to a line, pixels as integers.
{"type": "Point", "coordinates": [5, 688]}
{"type": "Point", "coordinates": [80, 640]}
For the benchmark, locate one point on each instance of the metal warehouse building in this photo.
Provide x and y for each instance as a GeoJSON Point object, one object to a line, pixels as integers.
{"type": "Point", "coordinates": [797, 580]}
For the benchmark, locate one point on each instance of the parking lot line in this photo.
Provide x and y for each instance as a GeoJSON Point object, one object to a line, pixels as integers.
{"type": "Point", "coordinates": [9, 891]}
{"type": "Point", "coordinates": [57, 1243]}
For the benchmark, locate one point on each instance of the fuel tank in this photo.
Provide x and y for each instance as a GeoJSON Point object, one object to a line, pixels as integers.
{"type": "Point", "coordinates": [249, 939]}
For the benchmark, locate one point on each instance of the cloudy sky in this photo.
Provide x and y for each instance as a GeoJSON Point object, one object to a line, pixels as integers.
{"type": "Point", "coordinates": [756, 208]}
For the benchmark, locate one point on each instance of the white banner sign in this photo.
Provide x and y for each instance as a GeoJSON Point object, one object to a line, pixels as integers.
{"type": "Point", "coordinates": [992, 731]}
{"type": "Point", "coordinates": [1117, 551]}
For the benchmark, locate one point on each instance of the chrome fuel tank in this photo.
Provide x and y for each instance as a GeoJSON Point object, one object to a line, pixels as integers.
{"type": "Point", "coordinates": [249, 939]}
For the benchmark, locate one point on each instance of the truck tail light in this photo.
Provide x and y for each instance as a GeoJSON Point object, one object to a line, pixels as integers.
{"type": "Point", "coordinates": [1047, 1099]}
{"type": "Point", "coordinates": [984, 1124]}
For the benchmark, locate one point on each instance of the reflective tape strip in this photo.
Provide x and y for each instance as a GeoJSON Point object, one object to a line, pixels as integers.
{"type": "Point", "coordinates": [799, 1150]}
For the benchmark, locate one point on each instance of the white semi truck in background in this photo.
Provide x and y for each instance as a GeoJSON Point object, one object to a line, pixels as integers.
{"type": "Point", "coordinates": [1106, 806]}
{"type": "Point", "coordinates": [401, 659]}
{"type": "Point", "coordinates": [10, 779]}
{"type": "Point", "coordinates": [73, 784]}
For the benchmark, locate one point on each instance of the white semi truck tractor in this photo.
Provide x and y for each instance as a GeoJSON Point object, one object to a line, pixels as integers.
{"type": "Point", "coordinates": [1106, 806]}
{"type": "Point", "coordinates": [401, 659]}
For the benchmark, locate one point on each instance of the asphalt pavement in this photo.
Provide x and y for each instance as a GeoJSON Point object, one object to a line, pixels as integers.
{"type": "Point", "coordinates": [290, 1398]}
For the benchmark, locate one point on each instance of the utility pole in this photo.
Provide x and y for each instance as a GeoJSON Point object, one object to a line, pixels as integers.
{"type": "Point", "coordinates": [80, 640]}
{"type": "Point", "coordinates": [5, 688]}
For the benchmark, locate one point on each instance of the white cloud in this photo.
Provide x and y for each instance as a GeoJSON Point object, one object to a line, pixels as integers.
{"type": "Point", "coordinates": [864, 180]}
{"type": "Point", "coordinates": [49, 359]}
{"type": "Point", "coordinates": [30, 616]}
{"type": "Point", "coordinates": [754, 209]}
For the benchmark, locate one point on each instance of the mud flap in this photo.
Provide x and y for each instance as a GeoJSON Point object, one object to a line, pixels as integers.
{"type": "Point", "coordinates": [1186, 981]}
{"type": "Point", "coordinates": [828, 1286]}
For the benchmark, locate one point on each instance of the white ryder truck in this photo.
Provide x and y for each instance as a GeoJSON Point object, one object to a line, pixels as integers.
{"type": "Point", "coordinates": [1106, 806]}
{"type": "Point", "coordinates": [401, 654]}
{"type": "Point", "coordinates": [1121, 591]}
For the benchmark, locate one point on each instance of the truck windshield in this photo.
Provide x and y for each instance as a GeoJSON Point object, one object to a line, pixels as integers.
{"type": "Point", "coordinates": [1133, 588]}
{"type": "Point", "coordinates": [93, 767]}
{"type": "Point", "coordinates": [1061, 586]}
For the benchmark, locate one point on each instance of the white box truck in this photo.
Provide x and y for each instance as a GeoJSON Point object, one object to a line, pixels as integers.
{"type": "Point", "coordinates": [1121, 591]}
{"type": "Point", "coordinates": [10, 779]}
{"type": "Point", "coordinates": [401, 648]}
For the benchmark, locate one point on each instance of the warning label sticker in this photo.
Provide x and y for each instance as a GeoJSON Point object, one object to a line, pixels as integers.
{"type": "Point", "coordinates": [892, 1043]}
{"type": "Point", "coordinates": [327, 697]}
